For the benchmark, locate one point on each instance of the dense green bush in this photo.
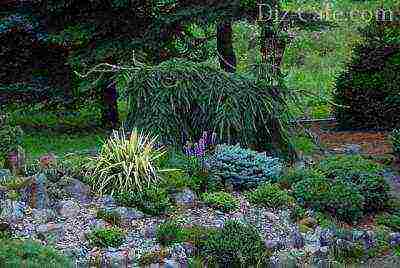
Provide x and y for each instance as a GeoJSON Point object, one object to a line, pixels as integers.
{"type": "Point", "coordinates": [27, 253]}
{"type": "Point", "coordinates": [368, 91]}
{"type": "Point", "coordinates": [126, 163]}
{"type": "Point", "coordinates": [179, 100]}
{"type": "Point", "coordinates": [236, 244]}
{"type": "Point", "coordinates": [340, 199]}
{"type": "Point", "coordinates": [270, 195]}
{"type": "Point", "coordinates": [221, 200]}
{"type": "Point", "coordinates": [395, 138]}
{"type": "Point", "coordinates": [294, 175]}
{"type": "Point", "coordinates": [389, 220]}
{"type": "Point", "coordinates": [10, 136]}
{"type": "Point", "coordinates": [152, 200]}
{"type": "Point", "coordinates": [106, 237]}
{"type": "Point", "coordinates": [364, 174]}
{"type": "Point", "coordinates": [349, 167]}
{"type": "Point", "coordinates": [242, 168]}
{"type": "Point", "coordinates": [110, 216]}
{"type": "Point", "coordinates": [170, 232]}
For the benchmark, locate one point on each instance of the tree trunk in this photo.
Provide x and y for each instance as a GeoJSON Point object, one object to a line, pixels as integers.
{"type": "Point", "coordinates": [110, 118]}
{"type": "Point", "coordinates": [226, 52]}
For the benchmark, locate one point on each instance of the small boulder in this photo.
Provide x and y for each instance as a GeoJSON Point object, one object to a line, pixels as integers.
{"type": "Point", "coordinates": [75, 189]}
{"type": "Point", "coordinates": [128, 214]}
{"type": "Point", "coordinates": [297, 240]}
{"type": "Point", "coordinates": [185, 198]}
{"type": "Point", "coordinates": [50, 231]}
{"type": "Point", "coordinates": [68, 208]}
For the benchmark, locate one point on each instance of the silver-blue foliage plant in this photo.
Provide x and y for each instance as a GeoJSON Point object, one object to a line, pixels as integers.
{"type": "Point", "coordinates": [242, 168]}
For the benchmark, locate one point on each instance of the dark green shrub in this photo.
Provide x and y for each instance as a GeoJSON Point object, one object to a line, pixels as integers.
{"type": "Point", "coordinates": [395, 138]}
{"type": "Point", "coordinates": [221, 200]}
{"type": "Point", "coordinates": [349, 166]}
{"type": "Point", "coordinates": [389, 220]}
{"type": "Point", "coordinates": [153, 200]}
{"type": "Point", "coordinates": [368, 91]}
{"type": "Point", "coordinates": [26, 253]}
{"type": "Point", "coordinates": [364, 174]}
{"type": "Point", "coordinates": [170, 232]}
{"type": "Point", "coordinates": [340, 199]}
{"type": "Point", "coordinates": [107, 237]}
{"type": "Point", "coordinates": [270, 195]}
{"type": "Point", "coordinates": [293, 176]}
{"type": "Point", "coordinates": [297, 213]}
{"type": "Point", "coordinates": [110, 216]}
{"type": "Point", "coordinates": [179, 100]}
{"type": "Point", "coordinates": [242, 168]}
{"type": "Point", "coordinates": [235, 244]}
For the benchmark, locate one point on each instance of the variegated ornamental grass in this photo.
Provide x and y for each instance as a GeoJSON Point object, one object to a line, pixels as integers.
{"type": "Point", "coordinates": [126, 163]}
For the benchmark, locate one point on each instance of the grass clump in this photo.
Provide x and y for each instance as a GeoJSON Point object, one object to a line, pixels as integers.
{"type": "Point", "coordinates": [106, 237]}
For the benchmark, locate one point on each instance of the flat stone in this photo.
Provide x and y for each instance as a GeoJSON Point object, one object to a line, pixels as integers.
{"type": "Point", "coordinates": [128, 214]}
{"type": "Point", "coordinates": [50, 231]}
{"type": "Point", "coordinates": [68, 209]}
{"type": "Point", "coordinates": [75, 188]}
{"type": "Point", "coordinates": [43, 216]}
{"type": "Point", "coordinates": [185, 198]}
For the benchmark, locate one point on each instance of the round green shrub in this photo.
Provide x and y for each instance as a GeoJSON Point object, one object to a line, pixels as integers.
{"type": "Point", "coordinates": [364, 174]}
{"type": "Point", "coordinates": [153, 200]}
{"type": "Point", "coordinates": [339, 198]}
{"type": "Point", "coordinates": [106, 237]}
{"type": "Point", "coordinates": [27, 253]}
{"type": "Point", "coordinates": [270, 195]}
{"type": "Point", "coordinates": [368, 92]}
{"type": "Point", "coordinates": [110, 216]}
{"type": "Point", "coordinates": [221, 200]}
{"type": "Point", "coordinates": [235, 245]}
{"type": "Point", "coordinates": [169, 232]}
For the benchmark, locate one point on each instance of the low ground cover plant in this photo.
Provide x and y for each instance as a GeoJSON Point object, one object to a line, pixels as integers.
{"type": "Point", "coordinates": [221, 200]}
{"type": "Point", "coordinates": [151, 200]}
{"type": "Point", "coordinates": [270, 195]}
{"type": "Point", "coordinates": [106, 237]}
{"type": "Point", "coordinates": [27, 253]}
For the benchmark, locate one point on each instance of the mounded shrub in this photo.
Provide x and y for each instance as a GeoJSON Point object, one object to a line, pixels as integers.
{"type": "Point", "coordinates": [152, 200]}
{"type": "Point", "coordinates": [106, 237]}
{"type": "Point", "coordinates": [242, 168]}
{"type": "Point", "coordinates": [270, 195]}
{"type": "Point", "coordinates": [221, 200]}
{"type": "Point", "coordinates": [364, 174]}
{"type": "Point", "coordinates": [368, 92]}
{"type": "Point", "coordinates": [340, 199]}
{"type": "Point", "coordinates": [235, 245]}
{"type": "Point", "coordinates": [27, 253]}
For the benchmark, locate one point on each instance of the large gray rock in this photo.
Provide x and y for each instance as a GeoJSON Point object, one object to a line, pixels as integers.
{"type": "Point", "coordinates": [75, 189]}
{"type": "Point", "coordinates": [12, 211]}
{"type": "Point", "coordinates": [128, 214]}
{"type": "Point", "coordinates": [68, 208]}
{"type": "Point", "coordinates": [185, 198]}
